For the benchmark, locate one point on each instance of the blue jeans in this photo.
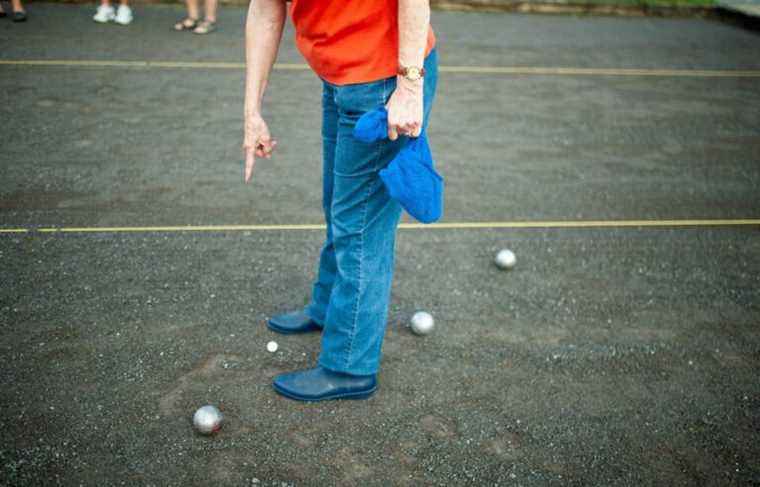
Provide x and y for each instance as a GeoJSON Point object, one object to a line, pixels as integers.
{"type": "Point", "coordinates": [352, 289]}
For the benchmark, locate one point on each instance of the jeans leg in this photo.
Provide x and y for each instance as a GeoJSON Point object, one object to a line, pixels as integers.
{"type": "Point", "coordinates": [364, 221]}
{"type": "Point", "coordinates": [322, 288]}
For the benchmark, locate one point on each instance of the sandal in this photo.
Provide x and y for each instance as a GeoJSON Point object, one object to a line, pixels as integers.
{"type": "Point", "coordinates": [188, 23]}
{"type": "Point", "coordinates": [19, 16]}
{"type": "Point", "coordinates": [205, 27]}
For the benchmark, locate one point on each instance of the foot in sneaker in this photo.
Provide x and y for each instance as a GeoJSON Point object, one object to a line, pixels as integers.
{"type": "Point", "coordinates": [123, 15]}
{"type": "Point", "coordinates": [105, 13]}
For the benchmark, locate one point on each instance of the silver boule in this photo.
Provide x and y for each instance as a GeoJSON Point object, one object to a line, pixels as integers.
{"type": "Point", "coordinates": [505, 259]}
{"type": "Point", "coordinates": [422, 323]}
{"type": "Point", "coordinates": [207, 420]}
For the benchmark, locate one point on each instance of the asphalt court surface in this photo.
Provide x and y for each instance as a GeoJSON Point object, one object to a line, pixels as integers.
{"type": "Point", "coordinates": [611, 355]}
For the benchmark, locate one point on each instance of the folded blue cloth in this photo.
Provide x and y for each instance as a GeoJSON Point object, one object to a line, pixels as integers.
{"type": "Point", "coordinates": [410, 177]}
{"type": "Point", "coordinates": [372, 126]}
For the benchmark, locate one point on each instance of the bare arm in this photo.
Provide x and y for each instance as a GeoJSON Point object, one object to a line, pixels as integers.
{"type": "Point", "coordinates": [405, 106]}
{"type": "Point", "coordinates": [263, 31]}
{"type": "Point", "coordinates": [413, 25]}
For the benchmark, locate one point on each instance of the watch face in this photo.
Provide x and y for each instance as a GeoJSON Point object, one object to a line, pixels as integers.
{"type": "Point", "coordinates": [413, 73]}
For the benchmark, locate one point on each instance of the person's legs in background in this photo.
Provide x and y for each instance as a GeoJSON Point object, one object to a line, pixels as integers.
{"type": "Point", "coordinates": [193, 16]}
{"type": "Point", "coordinates": [106, 13]}
{"type": "Point", "coordinates": [208, 24]}
{"type": "Point", "coordinates": [123, 13]}
{"type": "Point", "coordinates": [19, 14]}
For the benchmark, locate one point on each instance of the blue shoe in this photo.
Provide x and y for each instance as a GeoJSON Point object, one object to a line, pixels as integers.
{"type": "Point", "coordinates": [293, 322]}
{"type": "Point", "coordinates": [320, 384]}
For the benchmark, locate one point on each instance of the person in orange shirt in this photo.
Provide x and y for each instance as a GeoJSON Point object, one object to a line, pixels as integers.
{"type": "Point", "coordinates": [369, 54]}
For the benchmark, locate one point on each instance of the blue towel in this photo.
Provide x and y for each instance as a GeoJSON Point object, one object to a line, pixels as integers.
{"type": "Point", "coordinates": [410, 177]}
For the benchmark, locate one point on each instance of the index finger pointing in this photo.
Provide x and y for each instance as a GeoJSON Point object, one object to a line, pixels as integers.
{"type": "Point", "coordinates": [249, 162]}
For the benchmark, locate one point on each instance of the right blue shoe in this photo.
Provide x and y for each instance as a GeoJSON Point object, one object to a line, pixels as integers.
{"type": "Point", "coordinates": [293, 322]}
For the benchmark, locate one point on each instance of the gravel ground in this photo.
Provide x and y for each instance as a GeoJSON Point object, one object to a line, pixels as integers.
{"type": "Point", "coordinates": [608, 356]}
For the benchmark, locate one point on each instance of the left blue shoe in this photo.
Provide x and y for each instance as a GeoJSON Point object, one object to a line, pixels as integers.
{"type": "Point", "coordinates": [320, 384]}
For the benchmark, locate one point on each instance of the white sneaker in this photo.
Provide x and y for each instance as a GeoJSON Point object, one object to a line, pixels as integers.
{"type": "Point", "coordinates": [123, 15]}
{"type": "Point", "coordinates": [105, 13]}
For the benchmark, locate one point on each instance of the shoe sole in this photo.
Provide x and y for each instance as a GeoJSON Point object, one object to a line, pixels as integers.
{"type": "Point", "coordinates": [345, 395]}
{"type": "Point", "coordinates": [284, 331]}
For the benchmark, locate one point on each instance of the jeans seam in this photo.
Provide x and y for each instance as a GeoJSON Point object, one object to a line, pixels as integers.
{"type": "Point", "coordinates": [361, 252]}
{"type": "Point", "coordinates": [361, 279]}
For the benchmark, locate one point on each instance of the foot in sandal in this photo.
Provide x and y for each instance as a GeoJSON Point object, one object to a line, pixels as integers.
{"type": "Point", "coordinates": [205, 27]}
{"type": "Point", "coordinates": [188, 23]}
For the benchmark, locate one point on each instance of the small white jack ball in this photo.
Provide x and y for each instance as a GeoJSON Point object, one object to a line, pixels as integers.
{"type": "Point", "coordinates": [505, 259]}
{"type": "Point", "coordinates": [272, 346]}
{"type": "Point", "coordinates": [207, 420]}
{"type": "Point", "coordinates": [422, 323]}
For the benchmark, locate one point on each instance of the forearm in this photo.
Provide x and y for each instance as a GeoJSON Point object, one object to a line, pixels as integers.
{"type": "Point", "coordinates": [413, 25]}
{"type": "Point", "coordinates": [263, 31]}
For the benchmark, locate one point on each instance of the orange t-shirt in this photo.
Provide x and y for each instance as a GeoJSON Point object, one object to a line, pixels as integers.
{"type": "Point", "coordinates": [348, 42]}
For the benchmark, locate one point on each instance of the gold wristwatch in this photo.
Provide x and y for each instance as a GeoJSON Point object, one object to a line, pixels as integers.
{"type": "Point", "coordinates": [412, 73]}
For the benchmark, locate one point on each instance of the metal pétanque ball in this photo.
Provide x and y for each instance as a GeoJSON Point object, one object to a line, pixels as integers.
{"type": "Point", "coordinates": [422, 323]}
{"type": "Point", "coordinates": [505, 259]}
{"type": "Point", "coordinates": [207, 420]}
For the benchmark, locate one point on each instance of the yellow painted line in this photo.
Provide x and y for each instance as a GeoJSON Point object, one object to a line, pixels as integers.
{"type": "Point", "coordinates": [136, 64]}
{"type": "Point", "coordinates": [504, 70]}
{"type": "Point", "coordinates": [585, 224]}
{"type": "Point", "coordinates": [187, 228]}
{"type": "Point", "coordinates": [73, 63]}
{"type": "Point", "coordinates": [13, 230]}
{"type": "Point", "coordinates": [523, 70]}
{"type": "Point", "coordinates": [415, 226]}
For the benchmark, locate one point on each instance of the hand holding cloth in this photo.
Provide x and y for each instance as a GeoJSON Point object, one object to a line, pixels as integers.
{"type": "Point", "coordinates": [410, 178]}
